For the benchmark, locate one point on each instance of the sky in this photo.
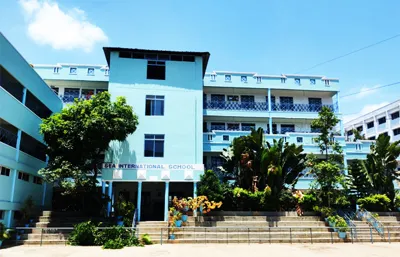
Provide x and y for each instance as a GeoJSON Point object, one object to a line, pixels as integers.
{"type": "Point", "coordinates": [267, 36]}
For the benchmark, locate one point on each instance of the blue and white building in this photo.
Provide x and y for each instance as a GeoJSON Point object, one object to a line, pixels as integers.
{"type": "Point", "coordinates": [24, 100]}
{"type": "Point", "coordinates": [187, 116]}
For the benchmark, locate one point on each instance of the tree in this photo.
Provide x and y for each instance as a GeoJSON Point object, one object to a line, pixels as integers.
{"type": "Point", "coordinates": [283, 164]}
{"type": "Point", "coordinates": [380, 168]}
{"type": "Point", "coordinates": [325, 123]}
{"type": "Point", "coordinates": [78, 136]}
{"type": "Point", "coordinates": [359, 179]}
{"type": "Point", "coordinates": [210, 186]}
{"type": "Point", "coordinates": [357, 135]}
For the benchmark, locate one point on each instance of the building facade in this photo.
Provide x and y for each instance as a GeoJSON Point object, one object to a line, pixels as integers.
{"type": "Point", "coordinates": [24, 100]}
{"type": "Point", "coordinates": [187, 116]}
{"type": "Point", "coordinates": [385, 120]}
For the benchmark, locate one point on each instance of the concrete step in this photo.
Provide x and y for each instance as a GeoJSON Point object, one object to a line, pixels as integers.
{"type": "Point", "coordinates": [258, 223]}
{"type": "Point", "coordinates": [257, 218]}
{"type": "Point", "coordinates": [42, 242]}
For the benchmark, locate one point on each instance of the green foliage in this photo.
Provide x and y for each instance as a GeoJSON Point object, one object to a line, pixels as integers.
{"type": "Point", "coordinates": [324, 211]}
{"type": "Point", "coordinates": [287, 202]}
{"type": "Point", "coordinates": [210, 186]}
{"type": "Point", "coordinates": [114, 244]}
{"type": "Point", "coordinates": [341, 224]}
{"type": "Point", "coordinates": [146, 240]}
{"type": "Point", "coordinates": [4, 233]}
{"type": "Point", "coordinates": [249, 201]}
{"type": "Point", "coordinates": [397, 201]}
{"type": "Point", "coordinates": [125, 209]}
{"type": "Point", "coordinates": [79, 135]}
{"type": "Point", "coordinates": [84, 233]}
{"type": "Point", "coordinates": [27, 209]}
{"type": "Point", "coordinates": [308, 201]}
{"type": "Point", "coordinates": [359, 178]}
{"type": "Point", "coordinates": [325, 123]}
{"type": "Point", "coordinates": [377, 202]}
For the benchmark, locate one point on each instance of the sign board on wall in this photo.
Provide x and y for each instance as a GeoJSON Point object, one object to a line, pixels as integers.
{"type": "Point", "coordinates": [137, 166]}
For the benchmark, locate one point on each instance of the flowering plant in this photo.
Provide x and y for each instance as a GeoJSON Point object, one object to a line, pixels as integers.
{"type": "Point", "coordinates": [181, 204]}
{"type": "Point", "coordinates": [203, 203]}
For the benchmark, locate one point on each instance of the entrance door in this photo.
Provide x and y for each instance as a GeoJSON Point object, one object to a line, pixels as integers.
{"type": "Point", "coordinates": [152, 201]}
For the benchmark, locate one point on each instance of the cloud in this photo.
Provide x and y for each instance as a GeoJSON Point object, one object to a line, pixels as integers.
{"type": "Point", "coordinates": [60, 29]}
{"type": "Point", "coordinates": [366, 91]}
{"type": "Point", "coordinates": [366, 109]}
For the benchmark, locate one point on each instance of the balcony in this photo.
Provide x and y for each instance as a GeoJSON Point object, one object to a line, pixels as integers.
{"type": "Point", "coordinates": [7, 137]}
{"type": "Point", "coordinates": [217, 140]}
{"type": "Point", "coordinates": [69, 98]}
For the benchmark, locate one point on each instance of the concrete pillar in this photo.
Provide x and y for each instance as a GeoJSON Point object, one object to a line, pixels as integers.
{"type": "Point", "coordinates": [110, 198]}
{"type": "Point", "coordinates": [24, 91]}
{"type": "Point", "coordinates": [139, 199]}
{"type": "Point", "coordinates": [166, 200]}
{"type": "Point", "coordinates": [8, 218]}
{"type": "Point", "coordinates": [346, 171]}
{"type": "Point", "coordinates": [341, 127]}
{"type": "Point", "coordinates": [14, 180]}
{"type": "Point", "coordinates": [44, 193]}
{"type": "Point", "coordinates": [18, 144]}
{"type": "Point", "coordinates": [195, 189]}
{"type": "Point", "coordinates": [338, 103]}
{"type": "Point", "coordinates": [103, 187]}
{"type": "Point", "coordinates": [269, 111]}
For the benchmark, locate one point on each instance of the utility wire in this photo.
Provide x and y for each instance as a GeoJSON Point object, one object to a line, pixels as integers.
{"type": "Point", "coordinates": [371, 89]}
{"type": "Point", "coordinates": [350, 53]}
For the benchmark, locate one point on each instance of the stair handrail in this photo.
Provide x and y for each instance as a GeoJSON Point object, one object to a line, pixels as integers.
{"type": "Point", "coordinates": [347, 216]}
{"type": "Point", "coordinates": [363, 214]}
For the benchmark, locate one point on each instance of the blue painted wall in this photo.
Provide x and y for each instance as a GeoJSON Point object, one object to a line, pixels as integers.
{"type": "Point", "coordinates": [47, 72]}
{"type": "Point", "coordinates": [182, 120]}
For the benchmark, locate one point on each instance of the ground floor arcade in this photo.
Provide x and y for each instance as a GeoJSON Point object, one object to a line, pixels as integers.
{"type": "Point", "coordinates": [152, 199]}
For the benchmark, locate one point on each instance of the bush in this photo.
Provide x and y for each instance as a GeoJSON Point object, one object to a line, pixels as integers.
{"type": "Point", "coordinates": [146, 240]}
{"type": "Point", "coordinates": [324, 211]}
{"type": "Point", "coordinates": [287, 201]}
{"type": "Point", "coordinates": [210, 186]}
{"type": "Point", "coordinates": [341, 224]}
{"type": "Point", "coordinates": [84, 233]}
{"type": "Point", "coordinates": [114, 244]}
{"type": "Point", "coordinates": [125, 209]}
{"type": "Point", "coordinates": [308, 201]}
{"type": "Point", "coordinates": [397, 201]}
{"type": "Point", "coordinates": [374, 203]}
{"type": "Point", "coordinates": [247, 200]}
{"type": "Point", "coordinates": [117, 234]}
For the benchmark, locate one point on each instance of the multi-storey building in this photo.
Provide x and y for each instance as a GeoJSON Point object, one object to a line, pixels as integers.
{"type": "Point", "coordinates": [385, 120]}
{"type": "Point", "coordinates": [187, 117]}
{"type": "Point", "coordinates": [24, 100]}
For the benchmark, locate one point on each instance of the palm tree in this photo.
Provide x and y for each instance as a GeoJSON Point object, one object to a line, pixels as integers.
{"type": "Point", "coordinates": [380, 168]}
{"type": "Point", "coordinates": [282, 164]}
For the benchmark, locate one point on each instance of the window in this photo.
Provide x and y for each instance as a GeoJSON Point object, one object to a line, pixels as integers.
{"type": "Point", "coordinates": [243, 79]}
{"type": "Point", "coordinates": [312, 81]}
{"type": "Point", "coordinates": [228, 78]}
{"type": "Point", "coordinates": [1, 214]}
{"type": "Point", "coordinates": [154, 105]}
{"type": "Point", "coordinates": [153, 145]}
{"type": "Point", "coordinates": [396, 131]}
{"type": "Point", "coordinates": [359, 128]}
{"type": "Point", "coordinates": [299, 140]}
{"type": "Point", "coordinates": [283, 80]}
{"type": "Point", "coordinates": [87, 93]}
{"type": "Point", "coordinates": [5, 171]}
{"type": "Point", "coordinates": [73, 71]}
{"type": "Point", "coordinates": [55, 90]}
{"type": "Point", "coordinates": [217, 126]}
{"type": "Point", "coordinates": [382, 120]}
{"type": "Point", "coordinates": [371, 138]}
{"type": "Point", "coordinates": [205, 129]}
{"type": "Point", "coordinates": [37, 180]}
{"type": "Point", "coordinates": [98, 91]}
{"type": "Point", "coordinates": [286, 102]}
{"type": "Point", "coordinates": [90, 71]}
{"type": "Point", "coordinates": [106, 72]}
{"type": "Point", "coordinates": [258, 80]}
{"type": "Point", "coordinates": [287, 128]}
{"type": "Point", "coordinates": [370, 124]}
{"type": "Point", "coordinates": [156, 70]}
{"type": "Point", "coordinates": [385, 134]}
{"type": "Point", "coordinates": [248, 126]}
{"type": "Point", "coordinates": [315, 104]}
{"type": "Point", "coordinates": [297, 81]}
{"type": "Point", "coordinates": [395, 115]}
{"type": "Point", "coordinates": [125, 55]}
{"type": "Point", "coordinates": [233, 98]}
{"type": "Point", "coordinates": [37, 106]}
{"type": "Point", "coordinates": [225, 137]}
{"type": "Point", "coordinates": [233, 126]}
{"type": "Point", "coordinates": [326, 82]}
{"type": "Point", "coordinates": [213, 77]}
{"type": "Point", "coordinates": [56, 70]}
{"type": "Point", "coordinates": [350, 132]}
{"type": "Point", "coordinates": [23, 176]}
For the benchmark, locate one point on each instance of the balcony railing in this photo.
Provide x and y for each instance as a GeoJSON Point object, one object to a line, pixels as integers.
{"type": "Point", "coordinates": [70, 98]}
{"type": "Point", "coordinates": [263, 106]}
{"type": "Point", "coordinates": [8, 137]}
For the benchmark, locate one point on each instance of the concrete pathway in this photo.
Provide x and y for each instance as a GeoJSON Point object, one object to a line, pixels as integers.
{"type": "Point", "coordinates": [220, 250]}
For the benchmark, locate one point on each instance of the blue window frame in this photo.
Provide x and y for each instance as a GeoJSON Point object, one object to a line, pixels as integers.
{"type": "Point", "coordinates": [153, 145]}
{"type": "Point", "coordinates": [73, 71]}
{"type": "Point", "coordinates": [154, 105]}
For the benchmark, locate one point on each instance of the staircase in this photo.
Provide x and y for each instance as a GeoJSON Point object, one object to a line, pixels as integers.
{"type": "Point", "coordinates": [51, 228]}
{"type": "Point", "coordinates": [243, 229]}
{"type": "Point", "coordinates": [391, 223]}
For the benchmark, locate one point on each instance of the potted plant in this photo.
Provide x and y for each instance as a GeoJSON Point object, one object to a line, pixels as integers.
{"type": "Point", "coordinates": [4, 233]}
{"type": "Point", "coordinates": [26, 211]}
{"type": "Point", "coordinates": [332, 221]}
{"type": "Point", "coordinates": [171, 223]}
{"type": "Point", "coordinates": [178, 219]}
{"type": "Point", "coordinates": [342, 227]}
{"type": "Point", "coordinates": [124, 211]}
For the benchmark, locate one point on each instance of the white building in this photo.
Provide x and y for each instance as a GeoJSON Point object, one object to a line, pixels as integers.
{"type": "Point", "coordinates": [385, 120]}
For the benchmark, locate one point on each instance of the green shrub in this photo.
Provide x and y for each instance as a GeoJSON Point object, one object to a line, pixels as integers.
{"type": "Point", "coordinates": [341, 224]}
{"type": "Point", "coordinates": [308, 202]}
{"type": "Point", "coordinates": [84, 233]}
{"type": "Point", "coordinates": [324, 211]}
{"type": "Point", "coordinates": [117, 234]}
{"type": "Point", "coordinates": [210, 186]}
{"type": "Point", "coordinates": [375, 203]}
{"type": "Point", "coordinates": [247, 200]}
{"type": "Point", "coordinates": [287, 201]}
{"type": "Point", "coordinates": [114, 244]}
{"type": "Point", "coordinates": [332, 219]}
{"type": "Point", "coordinates": [397, 201]}
{"type": "Point", "coordinates": [125, 209]}
{"type": "Point", "coordinates": [146, 240]}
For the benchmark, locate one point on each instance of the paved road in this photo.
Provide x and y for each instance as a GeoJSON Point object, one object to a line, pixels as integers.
{"type": "Point", "coordinates": [212, 250]}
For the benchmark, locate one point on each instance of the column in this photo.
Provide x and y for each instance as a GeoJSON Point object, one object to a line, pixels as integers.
{"type": "Point", "coordinates": [8, 218]}
{"type": "Point", "coordinates": [341, 127]}
{"type": "Point", "coordinates": [166, 199]}
{"type": "Point", "coordinates": [389, 125]}
{"type": "Point", "coordinates": [364, 128]}
{"type": "Point", "coordinates": [103, 188]}
{"type": "Point", "coordinates": [18, 145]}
{"type": "Point", "coordinates": [110, 198]}
{"type": "Point", "coordinates": [346, 171]}
{"type": "Point", "coordinates": [269, 111]}
{"type": "Point", "coordinates": [376, 127]}
{"type": "Point", "coordinates": [139, 199]}
{"type": "Point", "coordinates": [14, 179]}
{"type": "Point", "coordinates": [338, 103]}
{"type": "Point", "coordinates": [24, 96]}
{"type": "Point", "coordinates": [194, 189]}
{"type": "Point", "coordinates": [44, 193]}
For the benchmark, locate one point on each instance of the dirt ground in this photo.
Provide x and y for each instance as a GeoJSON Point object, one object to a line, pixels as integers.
{"type": "Point", "coordinates": [213, 250]}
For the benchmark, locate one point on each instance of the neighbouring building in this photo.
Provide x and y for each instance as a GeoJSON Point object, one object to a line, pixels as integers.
{"type": "Point", "coordinates": [385, 120]}
{"type": "Point", "coordinates": [187, 116]}
{"type": "Point", "coordinates": [24, 100]}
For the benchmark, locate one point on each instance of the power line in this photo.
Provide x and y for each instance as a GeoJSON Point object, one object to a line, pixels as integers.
{"type": "Point", "coordinates": [352, 52]}
{"type": "Point", "coordinates": [371, 89]}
